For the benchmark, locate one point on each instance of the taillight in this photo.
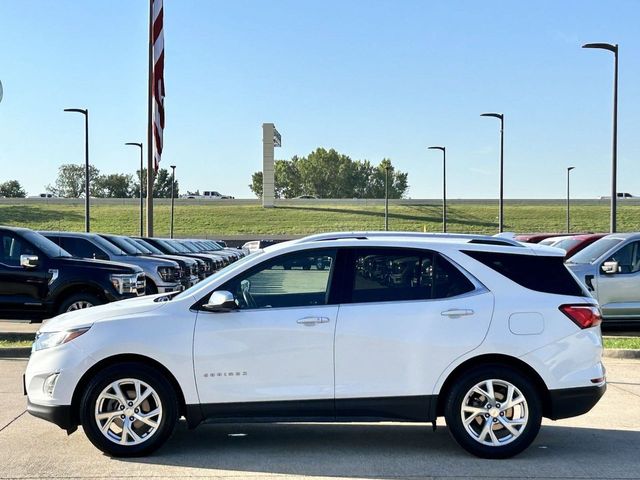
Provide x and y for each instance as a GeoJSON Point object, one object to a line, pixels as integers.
{"type": "Point", "coordinates": [584, 316]}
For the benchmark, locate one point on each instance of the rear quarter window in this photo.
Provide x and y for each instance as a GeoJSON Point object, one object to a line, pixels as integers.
{"type": "Point", "coordinates": [540, 273]}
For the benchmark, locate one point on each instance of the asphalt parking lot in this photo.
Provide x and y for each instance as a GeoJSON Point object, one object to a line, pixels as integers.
{"type": "Point", "coordinates": [603, 444]}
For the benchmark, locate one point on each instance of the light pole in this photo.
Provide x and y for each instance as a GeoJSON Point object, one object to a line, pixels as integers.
{"type": "Point", "coordinates": [173, 183]}
{"type": "Point", "coordinates": [141, 183]}
{"type": "Point", "coordinates": [85, 112]}
{"type": "Point", "coordinates": [386, 198]}
{"type": "Point", "coordinates": [500, 117]}
{"type": "Point", "coordinates": [568, 176]}
{"type": "Point", "coordinates": [614, 149]}
{"type": "Point", "coordinates": [444, 186]}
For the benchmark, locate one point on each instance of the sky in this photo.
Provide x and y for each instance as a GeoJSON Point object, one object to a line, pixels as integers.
{"type": "Point", "coordinates": [373, 79]}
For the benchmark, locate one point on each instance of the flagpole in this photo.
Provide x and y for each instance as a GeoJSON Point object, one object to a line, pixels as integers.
{"type": "Point", "coordinates": [150, 142]}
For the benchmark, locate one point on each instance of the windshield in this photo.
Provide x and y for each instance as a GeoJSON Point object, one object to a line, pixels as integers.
{"type": "Point", "coordinates": [567, 243]}
{"type": "Point", "coordinates": [145, 248]}
{"type": "Point", "coordinates": [123, 244]}
{"type": "Point", "coordinates": [594, 251]}
{"type": "Point", "coordinates": [220, 272]}
{"type": "Point", "coordinates": [44, 244]}
{"type": "Point", "coordinates": [137, 246]}
{"type": "Point", "coordinates": [167, 246]}
{"type": "Point", "coordinates": [183, 247]}
{"type": "Point", "coordinates": [148, 246]}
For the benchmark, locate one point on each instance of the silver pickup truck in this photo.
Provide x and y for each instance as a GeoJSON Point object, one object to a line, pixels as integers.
{"type": "Point", "coordinates": [610, 269]}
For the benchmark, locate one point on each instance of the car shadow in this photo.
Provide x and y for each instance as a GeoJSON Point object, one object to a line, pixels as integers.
{"type": "Point", "coordinates": [388, 451]}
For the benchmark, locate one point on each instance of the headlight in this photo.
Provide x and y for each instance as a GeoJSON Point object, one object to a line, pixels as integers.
{"type": "Point", "coordinates": [167, 274]}
{"type": "Point", "coordinates": [53, 339]}
{"type": "Point", "coordinates": [125, 283]}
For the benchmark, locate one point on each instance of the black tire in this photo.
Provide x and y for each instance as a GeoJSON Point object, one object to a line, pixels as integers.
{"type": "Point", "coordinates": [150, 287]}
{"type": "Point", "coordinates": [167, 399]}
{"type": "Point", "coordinates": [79, 297]}
{"type": "Point", "coordinates": [456, 397]}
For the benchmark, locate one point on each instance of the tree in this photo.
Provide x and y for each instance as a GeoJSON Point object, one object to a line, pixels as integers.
{"type": "Point", "coordinates": [161, 184]}
{"type": "Point", "coordinates": [70, 181]}
{"type": "Point", "coordinates": [114, 185]}
{"type": "Point", "coordinates": [12, 189]}
{"type": "Point", "coordinates": [329, 174]}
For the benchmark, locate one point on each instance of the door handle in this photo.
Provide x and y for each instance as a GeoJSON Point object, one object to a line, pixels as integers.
{"type": "Point", "coordinates": [309, 321]}
{"type": "Point", "coordinates": [457, 312]}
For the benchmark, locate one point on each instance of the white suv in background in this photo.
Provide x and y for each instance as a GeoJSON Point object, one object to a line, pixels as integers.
{"type": "Point", "coordinates": [487, 332]}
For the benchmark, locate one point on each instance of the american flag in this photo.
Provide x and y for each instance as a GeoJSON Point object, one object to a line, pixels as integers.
{"type": "Point", "coordinates": [158, 79]}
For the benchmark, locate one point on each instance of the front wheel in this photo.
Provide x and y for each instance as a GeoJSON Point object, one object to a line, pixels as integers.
{"type": "Point", "coordinates": [493, 411]}
{"type": "Point", "coordinates": [128, 410]}
{"type": "Point", "coordinates": [78, 302]}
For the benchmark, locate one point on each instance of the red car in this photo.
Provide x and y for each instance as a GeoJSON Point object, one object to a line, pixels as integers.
{"type": "Point", "coordinates": [535, 237]}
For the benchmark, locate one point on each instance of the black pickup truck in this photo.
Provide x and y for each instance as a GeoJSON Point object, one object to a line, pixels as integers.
{"type": "Point", "coordinates": [39, 280]}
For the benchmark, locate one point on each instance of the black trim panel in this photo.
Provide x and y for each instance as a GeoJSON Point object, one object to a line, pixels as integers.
{"type": "Point", "coordinates": [418, 408]}
{"type": "Point", "coordinates": [571, 402]}
{"type": "Point", "coordinates": [411, 408]}
{"type": "Point", "coordinates": [61, 415]}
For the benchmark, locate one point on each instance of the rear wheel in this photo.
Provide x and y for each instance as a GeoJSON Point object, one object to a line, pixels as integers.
{"type": "Point", "coordinates": [128, 410]}
{"type": "Point", "coordinates": [493, 411]}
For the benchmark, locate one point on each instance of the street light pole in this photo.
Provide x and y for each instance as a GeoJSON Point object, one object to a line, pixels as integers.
{"type": "Point", "coordinates": [386, 198]}
{"type": "Point", "coordinates": [568, 218]}
{"type": "Point", "coordinates": [173, 183]}
{"type": "Point", "coordinates": [500, 117]}
{"type": "Point", "coordinates": [85, 112]}
{"type": "Point", "coordinates": [614, 148]}
{"type": "Point", "coordinates": [444, 186]}
{"type": "Point", "coordinates": [141, 184]}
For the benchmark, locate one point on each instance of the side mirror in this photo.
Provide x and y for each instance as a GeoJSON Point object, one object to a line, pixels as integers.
{"type": "Point", "coordinates": [610, 267]}
{"type": "Point", "coordinates": [29, 261]}
{"type": "Point", "coordinates": [221, 302]}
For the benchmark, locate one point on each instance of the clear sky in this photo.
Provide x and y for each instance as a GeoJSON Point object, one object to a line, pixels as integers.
{"type": "Point", "coordinates": [371, 78]}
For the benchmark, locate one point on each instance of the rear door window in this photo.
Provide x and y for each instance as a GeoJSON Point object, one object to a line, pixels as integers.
{"type": "Point", "coordinates": [392, 274]}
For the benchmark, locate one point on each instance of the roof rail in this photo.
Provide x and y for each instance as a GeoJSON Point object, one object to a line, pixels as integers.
{"type": "Point", "coordinates": [363, 235]}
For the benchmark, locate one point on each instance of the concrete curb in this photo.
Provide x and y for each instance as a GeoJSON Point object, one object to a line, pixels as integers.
{"type": "Point", "coordinates": [17, 352]}
{"type": "Point", "coordinates": [621, 353]}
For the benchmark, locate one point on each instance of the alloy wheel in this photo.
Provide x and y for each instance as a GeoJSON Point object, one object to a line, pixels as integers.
{"type": "Point", "coordinates": [494, 412]}
{"type": "Point", "coordinates": [128, 411]}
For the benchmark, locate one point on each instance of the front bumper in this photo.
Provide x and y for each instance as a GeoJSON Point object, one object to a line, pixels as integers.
{"type": "Point", "coordinates": [61, 415]}
{"type": "Point", "coordinates": [173, 287]}
{"type": "Point", "coordinates": [571, 402]}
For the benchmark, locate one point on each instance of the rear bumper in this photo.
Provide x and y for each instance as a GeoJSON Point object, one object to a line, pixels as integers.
{"type": "Point", "coordinates": [571, 402]}
{"type": "Point", "coordinates": [61, 415]}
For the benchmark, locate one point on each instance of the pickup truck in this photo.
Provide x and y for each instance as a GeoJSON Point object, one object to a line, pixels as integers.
{"type": "Point", "coordinates": [38, 279]}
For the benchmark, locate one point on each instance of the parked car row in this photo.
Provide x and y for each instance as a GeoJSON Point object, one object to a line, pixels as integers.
{"type": "Point", "coordinates": [46, 273]}
{"type": "Point", "coordinates": [609, 267]}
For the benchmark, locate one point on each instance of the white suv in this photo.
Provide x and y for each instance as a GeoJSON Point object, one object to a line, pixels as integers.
{"type": "Point", "coordinates": [487, 332]}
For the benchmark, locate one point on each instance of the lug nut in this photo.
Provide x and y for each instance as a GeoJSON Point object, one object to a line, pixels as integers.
{"type": "Point", "coordinates": [121, 407]}
{"type": "Point", "coordinates": [136, 410]}
{"type": "Point", "coordinates": [122, 417]}
{"type": "Point", "coordinates": [130, 404]}
{"type": "Point", "coordinates": [497, 405]}
{"type": "Point", "coordinates": [488, 406]}
{"type": "Point", "coordinates": [495, 420]}
{"type": "Point", "coordinates": [486, 415]}
{"type": "Point", "coordinates": [502, 414]}
{"type": "Point", "coordinates": [131, 418]}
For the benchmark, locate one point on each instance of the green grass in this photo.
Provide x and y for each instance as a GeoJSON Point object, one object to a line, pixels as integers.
{"type": "Point", "coordinates": [218, 219]}
{"type": "Point", "coordinates": [622, 342]}
{"type": "Point", "coordinates": [14, 343]}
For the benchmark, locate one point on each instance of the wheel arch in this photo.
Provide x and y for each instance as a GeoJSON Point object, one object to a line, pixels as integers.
{"type": "Point", "coordinates": [498, 360]}
{"type": "Point", "coordinates": [76, 288]}
{"type": "Point", "coordinates": [126, 358]}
